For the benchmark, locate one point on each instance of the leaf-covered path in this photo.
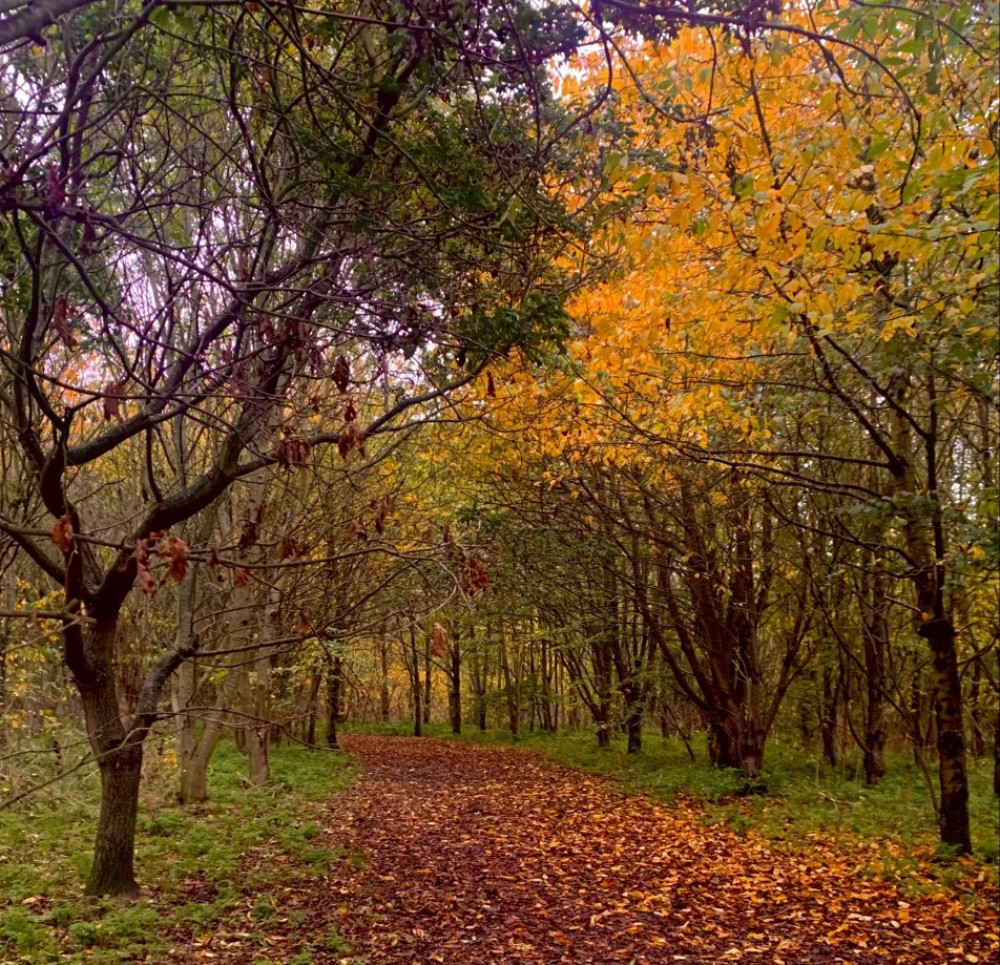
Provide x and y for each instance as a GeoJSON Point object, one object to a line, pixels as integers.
{"type": "Point", "coordinates": [475, 855]}
{"type": "Point", "coordinates": [480, 854]}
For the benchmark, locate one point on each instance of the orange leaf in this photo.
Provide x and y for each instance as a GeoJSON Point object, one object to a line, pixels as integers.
{"type": "Point", "coordinates": [62, 533]}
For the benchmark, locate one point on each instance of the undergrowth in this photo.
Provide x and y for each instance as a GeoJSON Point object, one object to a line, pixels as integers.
{"type": "Point", "coordinates": [225, 863]}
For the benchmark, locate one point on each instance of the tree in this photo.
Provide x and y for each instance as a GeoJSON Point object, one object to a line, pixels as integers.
{"type": "Point", "coordinates": [826, 240]}
{"type": "Point", "coordinates": [204, 212]}
{"type": "Point", "coordinates": [816, 237]}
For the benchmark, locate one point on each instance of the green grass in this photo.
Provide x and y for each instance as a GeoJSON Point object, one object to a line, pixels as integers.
{"type": "Point", "coordinates": [893, 822]}
{"type": "Point", "coordinates": [200, 867]}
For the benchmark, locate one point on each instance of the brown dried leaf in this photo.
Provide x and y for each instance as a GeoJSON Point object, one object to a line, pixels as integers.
{"type": "Point", "coordinates": [439, 641]}
{"type": "Point", "coordinates": [248, 535]}
{"type": "Point", "coordinates": [146, 579]}
{"type": "Point", "coordinates": [62, 533]}
{"type": "Point", "coordinates": [350, 438]}
{"type": "Point", "coordinates": [114, 393]}
{"type": "Point", "coordinates": [178, 559]}
{"type": "Point", "coordinates": [60, 313]}
{"type": "Point", "coordinates": [341, 373]}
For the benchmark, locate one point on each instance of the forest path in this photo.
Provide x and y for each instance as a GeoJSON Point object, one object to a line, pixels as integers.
{"type": "Point", "coordinates": [478, 854]}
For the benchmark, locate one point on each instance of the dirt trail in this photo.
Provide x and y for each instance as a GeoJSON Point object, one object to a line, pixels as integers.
{"type": "Point", "coordinates": [479, 854]}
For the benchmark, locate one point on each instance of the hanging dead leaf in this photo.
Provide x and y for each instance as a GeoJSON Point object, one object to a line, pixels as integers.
{"type": "Point", "coordinates": [240, 576]}
{"type": "Point", "coordinates": [292, 453]}
{"type": "Point", "coordinates": [60, 314]}
{"type": "Point", "coordinates": [178, 559]}
{"type": "Point", "coordinates": [62, 533]}
{"type": "Point", "coordinates": [114, 393]}
{"type": "Point", "coordinates": [146, 579]}
{"type": "Point", "coordinates": [248, 535]}
{"type": "Point", "coordinates": [439, 641]}
{"type": "Point", "coordinates": [491, 389]}
{"type": "Point", "coordinates": [350, 413]}
{"type": "Point", "coordinates": [350, 438]}
{"type": "Point", "coordinates": [341, 373]}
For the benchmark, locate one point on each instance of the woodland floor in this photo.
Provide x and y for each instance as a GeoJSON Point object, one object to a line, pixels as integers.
{"type": "Point", "coordinates": [470, 855]}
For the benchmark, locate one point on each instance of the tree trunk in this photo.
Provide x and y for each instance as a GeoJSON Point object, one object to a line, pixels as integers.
{"type": "Point", "coordinates": [383, 689]}
{"type": "Point", "coordinates": [977, 742]}
{"type": "Point", "coordinates": [828, 716]}
{"type": "Point", "coordinates": [428, 666]}
{"type": "Point", "coordinates": [334, 678]}
{"type": "Point", "coordinates": [89, 654]}
{"type": "Point", "coordinates": [940, 635]}
{"type": "Point", "coordinates": [479, 677]}
{"type": "Point", "coordinates": [313, 701]}
{"type": "Point", "coordinates": [633, 717]}
{"type": "Point", "coordinates": [257, 732]}
{"type": "Point", "coordinates": [876, 640]}
{"type": "Point", "coordinates": [415, 682]}
{"type": "Point", "coordinates": [194, 767]}
{"type": "Point", "coordinates": [736, 740]}
{"type": "Point", "coordinates": [513, 711]}
{"type": "Point", "coordinates": [194, 770]}
{"type": "Point", "coordinates": [996, 756]}
{"type": "Point", "coordinates": [926, 546]}
{"type": "Point", "coordinates": [113, 870]}
{"type": "Point", "coordinates": [455, 687]}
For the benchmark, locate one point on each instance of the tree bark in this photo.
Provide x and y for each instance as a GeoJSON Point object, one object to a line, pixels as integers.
{"type": "Point", "coordinates": [828, 716]}
{"type": "Point", "coordinates": [954, 820]}
{"type": "Point", "coordinates": [510, 690]}
{"type": "Point", "coordinates": [876, 640]}
{"type": "Point", "coordinates": [428, 667]}
{"type": "Point", "coordinates": [415, 682]}
{"type": "Point", "coordinates": [455, 685]}
{"type": "Point", "coordinates": [383, 689]}
{"type": "Point", "coordinates": [113, 870]}
{"type": "Point", "coordinates": [736, 740]}
{"type": "Point", "coordinates": [632, 694]}
{"type": "Point", "coordinates": [334, 686]}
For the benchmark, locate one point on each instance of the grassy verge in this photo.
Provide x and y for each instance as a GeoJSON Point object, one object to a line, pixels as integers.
{"type": "Point", "coordinates": [891, 826]}
{"type": "Point", "coordinates": [223, 866]}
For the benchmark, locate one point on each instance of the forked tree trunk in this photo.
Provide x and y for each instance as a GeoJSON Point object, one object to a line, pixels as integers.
{"type": "Point", "coordinates": [117, 744]}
